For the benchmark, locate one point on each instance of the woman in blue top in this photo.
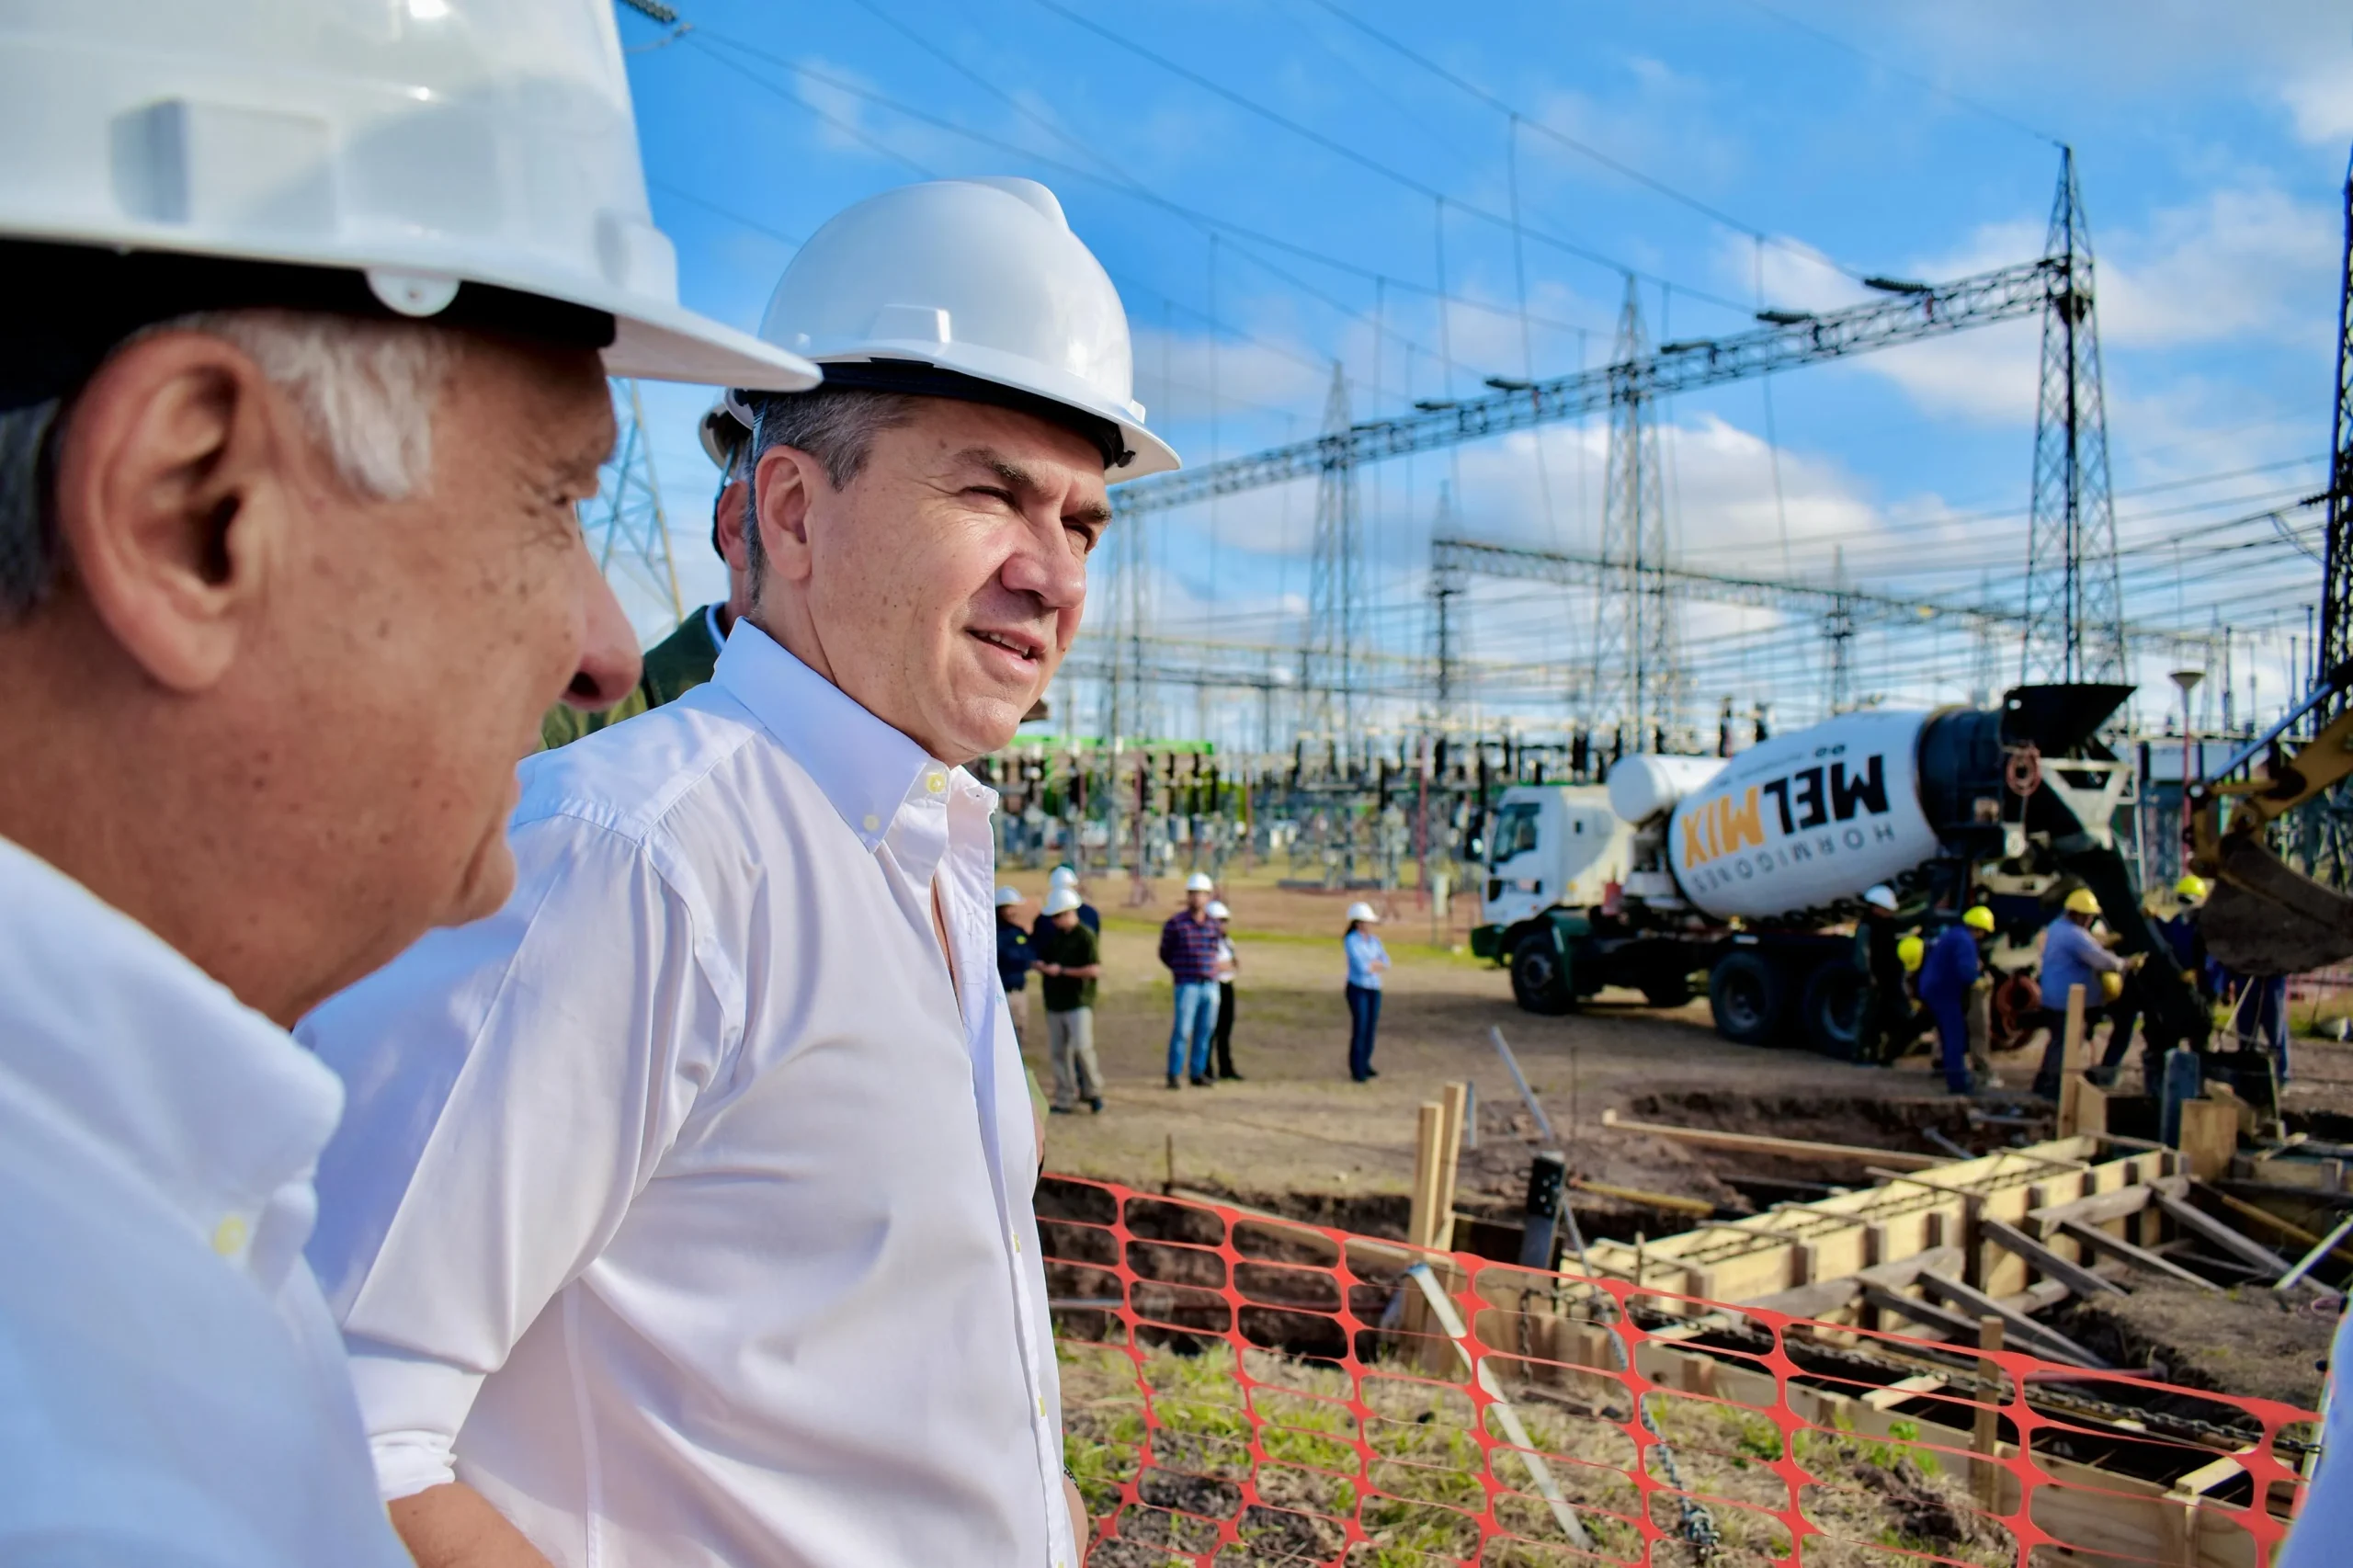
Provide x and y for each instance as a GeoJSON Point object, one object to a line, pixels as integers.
{"type": "Point", "coordinates": [1366, 959]}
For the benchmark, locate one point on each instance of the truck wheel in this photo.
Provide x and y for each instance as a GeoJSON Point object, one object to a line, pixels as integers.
{"type": "Point", "coordinates": [1837, 995]}
{"type": "Point", "coordinates": [1747, 994]}
{"type": "Point", "coordinates": [1540, 983]}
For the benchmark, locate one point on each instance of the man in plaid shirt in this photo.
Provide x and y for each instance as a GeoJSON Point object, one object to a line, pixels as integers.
{"type": "Point", "coordinates": [1189, 947]}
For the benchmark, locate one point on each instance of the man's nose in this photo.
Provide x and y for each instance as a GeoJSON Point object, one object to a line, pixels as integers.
{"type": "Point", "coordinates": [609, 661]}
{"type": "Point", "coordinates": [1048, 565]}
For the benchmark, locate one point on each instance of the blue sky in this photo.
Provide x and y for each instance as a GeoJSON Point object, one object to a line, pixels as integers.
{"type": "Point", "coordinates": [1913, 141]}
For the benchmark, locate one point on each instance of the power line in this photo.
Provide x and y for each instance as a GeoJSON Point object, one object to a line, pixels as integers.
{"type": "Point", "coordinates": [1585, 149]}
{"type": "Point", "coordinates": [1835, 41]}
{"type": "Point", "coordinates": [1366, 161]}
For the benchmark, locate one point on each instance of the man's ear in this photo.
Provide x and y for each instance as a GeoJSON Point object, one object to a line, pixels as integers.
{"type": "Point", "coordinates": [171, 506]}
{"type": "Point", "coordinates": [788, 482]}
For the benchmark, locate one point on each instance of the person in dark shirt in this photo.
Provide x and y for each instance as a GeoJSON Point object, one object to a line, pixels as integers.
{"type": "Point", "coordinates": [1189, 945]}
{"type": "Point", "coordinates": [1890, 1023]}
{"type": "Point", "coordinates": [1946, 976]}
{"type": "Point", "coordinates": [684, 660]}
{"type": "Point", "coordinates": [1068, 959]}
{"type": "Point", "coordinates": [1013, 959]}
{"type": "Point", "coordinates": [1064, 877]}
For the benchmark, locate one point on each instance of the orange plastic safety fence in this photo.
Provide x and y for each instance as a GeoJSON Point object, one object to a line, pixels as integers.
{"type": "Point", "coordinates": [1240, 1391]}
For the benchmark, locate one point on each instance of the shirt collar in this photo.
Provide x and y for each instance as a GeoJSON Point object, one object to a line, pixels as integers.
{"type": "Point", "coordinates": [867, 769]}
{"type": "Point", "coordinates": [711, 624]}
{"type": "Point", "coordinates": [114, 1033]}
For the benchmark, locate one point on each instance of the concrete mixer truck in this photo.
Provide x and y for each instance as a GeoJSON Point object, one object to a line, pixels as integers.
{"type": "Point", "coordinates": [1742, 875]}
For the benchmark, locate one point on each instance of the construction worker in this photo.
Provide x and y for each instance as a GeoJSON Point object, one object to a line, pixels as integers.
{"type": "Point", "coordinates": [2182, 934]}
{"type": "Point", "coordinates": [1889, 1024]}
{"type": "Point", "coordinates": [684, 660]}
{"type": "Point", "coordinates": [1229, 966]}
{"type": "Point", "coordinates": [1088, 916]}
{"type": "Point", "coordinates": [1947, 975]}
{"type": "Point", "coordinates": [1189, 947]}
{"type": "Point", "coordinates": [2071, 957]}
{"type": "Point", "coordinates": [1070, 960]}
{"type": "Point", "coordinates": [1013, 959]}
{"type": "Point", "coordinates": [709, 1157]}
{"type": "Point", "coordinates": [304, 376]}
{"type": "Point", "coordinates": [1368, 960]}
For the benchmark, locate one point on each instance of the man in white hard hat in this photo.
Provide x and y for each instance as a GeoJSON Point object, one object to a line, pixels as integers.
{"type": "Point", "coordinates": [305, 377]}
{"type": "Point", "coordinates": [1014, 959]}
{"type": "Point", "coordinates": [682, 1212]}
{"type": "Point", "coordinates": [1070, 960]}
{"type": "Point", "coordinates": [1066, 877]}
{"type": "Point", "coordinates": [1189, 947]}
{"type": "Point", "coordinates": [684, 660]}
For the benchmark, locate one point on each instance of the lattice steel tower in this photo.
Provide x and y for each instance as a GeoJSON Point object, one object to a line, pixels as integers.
{"type": "Point", "coordinates": [2337, 581]}
{"type": "Point", "coordinates": [1328, 664]}
{"type": "Point", "coordinates": [1637, 651]}
{"type": "Point", "coordinates": [625, 524]}
{"type": "Point", "coordinates": [2074, 608]}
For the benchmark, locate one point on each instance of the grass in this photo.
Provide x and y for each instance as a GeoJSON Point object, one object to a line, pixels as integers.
{"type": "Point", "coordinates": [1412, 1474]}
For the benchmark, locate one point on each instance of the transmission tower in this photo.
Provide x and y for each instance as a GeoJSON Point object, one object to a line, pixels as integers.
{"type": "Point", "coordinates": [2075, 628]}
{"type": "Point", "coordinates": [1336, 593]}
{"type": "Point", "coordinates": [1446, 586]}
{"type": "Point", "coordinates": [2337, 581]}
{"type": "Point", "coordinates": [625, 524]}
{"type": "Point", "coordinates": [1838, 630]}
{"type": "Point", "coordinates": [1126, 693]}
{"type": "Point", "coordinates": [1640, 674]}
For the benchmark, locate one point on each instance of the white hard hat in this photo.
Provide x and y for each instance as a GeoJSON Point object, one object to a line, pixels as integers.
{"type": "Point", "coordinates": [1007, 897]}
{"type": "Point", "coordinates": [1362, 911]}
{"type": "Point", "coordinates": [979, 278]}
{"type": "Point", "coordinates": [1199, 881]}
{"type": "Point", "coordinates": [444, 156]}
{"type": "Point", "coordinates": [1061, 900]}
{"type": "Point", "coordinates": [1879, 895]}
{"type": "Point", "coordinates": [1218, 910]}
{"type": "Point", "coordinates": [1062, 877]}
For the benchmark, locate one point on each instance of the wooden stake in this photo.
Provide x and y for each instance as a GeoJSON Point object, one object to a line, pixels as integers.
{"type": "Point", "coordinates": [1986, 1439]}
{"type": "Point", "coordinates": [1427, 1126]}
{"type": "Point", "coordinates": [2209, 1136]}
{"type": "Point", "coordinates": [2071, 1059]}
{"type": "Point", "coordinates": [1168, 1165]}
{"type": "Point", "coordinates": [1453, 1112]}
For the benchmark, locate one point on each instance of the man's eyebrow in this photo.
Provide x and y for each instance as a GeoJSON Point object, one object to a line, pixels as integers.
{"type": "Point", "coordinates": [1026, 484]}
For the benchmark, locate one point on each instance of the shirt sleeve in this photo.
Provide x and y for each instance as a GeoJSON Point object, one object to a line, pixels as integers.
{"type": "Point", "coordinates": [512, 1085]}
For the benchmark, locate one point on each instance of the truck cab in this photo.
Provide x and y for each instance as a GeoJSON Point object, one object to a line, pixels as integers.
{"type": "Point", "coordinates": [1552, 845]}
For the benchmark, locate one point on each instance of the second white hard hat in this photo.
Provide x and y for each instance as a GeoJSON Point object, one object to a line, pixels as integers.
{"type": "Point", "coordinates": [974, 288]}
{"type": "Point", "coordinates": [1007, 897]}
{"type": "Point", "coordinates": [470, 160]}
{"type": "Point", "coordinates": [1879, 895]}
{"type": "Point", "coordinates": [1362, 911]}
{"type": "Point", "coordinates": [1061, 900]}
{"type": "Point", "coordinates": [1062, 877]}
{"type": "Point", "coordinates": [1200, 882]}
{"type": "Point", "coordinates": [1218, 910]}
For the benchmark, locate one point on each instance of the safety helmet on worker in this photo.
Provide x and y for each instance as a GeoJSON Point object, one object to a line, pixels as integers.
{"type": "Point", "coordinates": [1879, 895]}
{"type": "Point", "coordinates": [1007, 897]}
{"type": "Point", "coordinates": [1977, 917]}
{"type": "Point", "coordinates": [1361, 912]}
{"type": "Point", "coordinates": [470, 162]}
{"type": "Point", "coordinates": [1061, 900]}
{"type": "Point", "coordinates": [722, 434]}
{"type": "Point", "coordinates": [1909, 951]}
{"type": "Point", "coordinates": [973, 289]}
{"type": "Point", "coordinates": [1062, 877]}
{"type": "Point", "coordinates": [1218, 910]}
{"type": "Point", "coordinates": [1200, 882]}
{"type": "Point", "coordinates": [2191, 889]}
{"type": "Point", "coordinates": [2081, 902]}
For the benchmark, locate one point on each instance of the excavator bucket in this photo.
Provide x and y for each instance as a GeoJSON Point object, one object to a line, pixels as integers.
{"type": "Point", "coordinates": [2265, 917]}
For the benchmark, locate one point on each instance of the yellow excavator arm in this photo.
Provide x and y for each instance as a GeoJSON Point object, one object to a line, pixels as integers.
{"type": "Point", "coordinates": [2264, 916]}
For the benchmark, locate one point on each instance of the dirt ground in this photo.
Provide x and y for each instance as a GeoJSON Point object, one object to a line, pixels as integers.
{"type": "Point", "coordinates": [1296, 1135]}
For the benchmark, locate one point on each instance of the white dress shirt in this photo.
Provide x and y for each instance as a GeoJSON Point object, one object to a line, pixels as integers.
{"type": "Point", "coordinates": [172, 1390]}
{"type": "Point", "coordinates": [681, 1209]}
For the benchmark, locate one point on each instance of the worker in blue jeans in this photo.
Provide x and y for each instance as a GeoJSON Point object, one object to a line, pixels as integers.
{"type": "Point", "coordinates": [1947, 975]}
{"type": "Point", "coordinates": [1368, 960]}
{"type": "Point", "coordinates": [1189, 946]}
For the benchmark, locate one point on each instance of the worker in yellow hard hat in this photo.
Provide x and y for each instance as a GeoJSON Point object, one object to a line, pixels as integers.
{"type": "Point", "coordinates": [1909, 951]}
{"type": "Point", "coordinates": [2191, 889]}
{"type": "Point", "coordinates": [1947, 973]}
{"type": "Point", "coordinates": [2071, 957]}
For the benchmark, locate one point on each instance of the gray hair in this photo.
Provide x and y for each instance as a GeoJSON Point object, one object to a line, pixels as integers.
{"type": "Point", "coordinates": [834, 425]}
{"type": "Point", "coordinates": [365, 390]}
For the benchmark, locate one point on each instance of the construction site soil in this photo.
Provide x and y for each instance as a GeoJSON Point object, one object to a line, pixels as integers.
{"type": "Point", "coordinates": [1296, 1137]}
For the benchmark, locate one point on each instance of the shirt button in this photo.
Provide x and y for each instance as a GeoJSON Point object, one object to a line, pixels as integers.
{"type": "Point", "coordinates": [935, 783]}
{"type": "Point", "coordinates": [872, 821]}
{"type": "Point", "coordinates": [229, 1236]}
